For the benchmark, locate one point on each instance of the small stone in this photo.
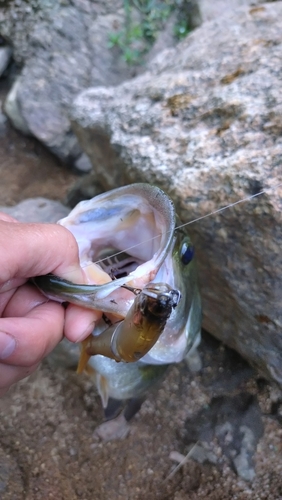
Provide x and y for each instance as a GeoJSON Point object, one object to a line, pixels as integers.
{"type": "Point", "coordinates": [5, 56]}
{"type": "Point", "coordinates": [117, 428]}
{"type": "Point", "coordinates": [83, 164]}
{"type": "Point", "coordinates": [12, 109]}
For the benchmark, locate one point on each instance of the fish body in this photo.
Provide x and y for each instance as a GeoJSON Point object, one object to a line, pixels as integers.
{"type": "Point", "coordinates": [128, 241]}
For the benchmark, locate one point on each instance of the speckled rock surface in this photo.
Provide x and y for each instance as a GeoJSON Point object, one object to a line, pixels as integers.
{"type": "Point", "coordinates": [205, 125]}
{"type": "Point", "coordinates": [214, 10]}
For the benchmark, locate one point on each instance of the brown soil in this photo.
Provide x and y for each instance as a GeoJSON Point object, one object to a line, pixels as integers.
{"type": "Point", "coordinates": [28, 170]}
{"type": "Point", "coordinates": [47, 446]}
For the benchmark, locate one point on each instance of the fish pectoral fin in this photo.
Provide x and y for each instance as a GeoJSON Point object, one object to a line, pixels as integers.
{"type": "Point", "coordinates": [84, 356]}
{"type": "Point", "coordinates": [89, 370]}
{"type": "Point", "coordinates": [103, 389]}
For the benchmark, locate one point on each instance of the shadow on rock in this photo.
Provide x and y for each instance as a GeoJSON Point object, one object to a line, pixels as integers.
{"type": "Point", "coordinates": [236, 423]}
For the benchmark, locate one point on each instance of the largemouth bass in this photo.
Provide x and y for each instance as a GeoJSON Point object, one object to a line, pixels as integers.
{"type": "Point", "coordinates": [142, 277]}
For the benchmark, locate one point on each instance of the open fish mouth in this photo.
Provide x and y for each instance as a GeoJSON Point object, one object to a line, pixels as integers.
{"type": "Point", "coordinates": [123, 236]}
{"type": "Point", "coordinates": [123, 230]}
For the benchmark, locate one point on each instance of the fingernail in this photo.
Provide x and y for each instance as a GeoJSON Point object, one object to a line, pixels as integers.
{"type": "Point", "coordinates": [86, 332]}
{"type": "Point", "coordinates": [7, 345]}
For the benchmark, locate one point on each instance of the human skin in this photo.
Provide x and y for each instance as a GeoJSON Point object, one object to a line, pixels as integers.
{"type": "Point", "coordinates": [31, 325]}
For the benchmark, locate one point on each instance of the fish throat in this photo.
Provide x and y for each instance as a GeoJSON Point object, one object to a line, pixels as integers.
{"type": "Point", "coordinates": [118, 264]}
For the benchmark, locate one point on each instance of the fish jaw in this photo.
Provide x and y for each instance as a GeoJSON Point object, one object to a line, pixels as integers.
{"type": "Point", "coordinates": [96, 297]}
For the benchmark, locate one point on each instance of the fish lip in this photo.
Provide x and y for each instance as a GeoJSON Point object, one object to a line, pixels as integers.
{"type": "Point", "coordinates": [173, 295]}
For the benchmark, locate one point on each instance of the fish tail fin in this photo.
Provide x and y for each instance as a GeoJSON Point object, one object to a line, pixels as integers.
{"type": "Point", "coordinates": [103, 389]}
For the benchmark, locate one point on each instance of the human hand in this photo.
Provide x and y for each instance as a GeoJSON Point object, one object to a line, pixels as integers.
{"type": "Point", "coordinates": [31, 325]}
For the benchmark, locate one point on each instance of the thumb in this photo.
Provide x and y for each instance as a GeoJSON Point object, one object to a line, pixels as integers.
{"type": "Point", "coordinates": [34, 249]}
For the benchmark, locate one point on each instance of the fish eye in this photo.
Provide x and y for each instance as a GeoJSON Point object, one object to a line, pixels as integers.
{"type": "Point", "coordinates": [186, 252]}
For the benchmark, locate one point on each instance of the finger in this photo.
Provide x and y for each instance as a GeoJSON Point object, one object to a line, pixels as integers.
{"type": "Point", "coordinates": [7, 218]}
{"type": "Point", "coordinates": [5, 297]}
{"type": "Point", "coordinates": [9, 375]}
{"type": "Point", "coordinates": [30, 339]}
{"type": "Point", "coordinates": [11, 285]}
{"type": "Point", "coordinates": [80, 322]}
{"type": "Point", "coordinates": [22, 300]}
{"type": "Point", "coordinates": [43, 248]}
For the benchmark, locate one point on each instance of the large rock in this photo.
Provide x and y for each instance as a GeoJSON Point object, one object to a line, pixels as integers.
{"type": "Point", "coordinates": [205, 124]}
{"type": "Point", "coordinates": [63, 48]}
{"type": "Point", "coordinates": [200, 11]}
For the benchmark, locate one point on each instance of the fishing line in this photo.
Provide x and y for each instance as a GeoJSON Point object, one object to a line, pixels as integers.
{"type": "Point", "coordinates": [248, 198]}
{"type": "Point", "coordinates": [219, 210]}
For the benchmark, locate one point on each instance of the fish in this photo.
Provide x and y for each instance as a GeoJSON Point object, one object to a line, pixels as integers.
{"type": "Point", "coordinates": [142, 278]}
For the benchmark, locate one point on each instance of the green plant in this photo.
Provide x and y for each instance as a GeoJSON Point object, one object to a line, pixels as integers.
{"type": "Point", "coordinates": [136, 38]}
{"type": "Point", "coordinates": [182, 29]}
{"type": "Point", "coordinates": [126, 40]}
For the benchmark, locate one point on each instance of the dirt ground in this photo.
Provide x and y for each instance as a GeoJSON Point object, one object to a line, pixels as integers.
{"type": "Point", "coordinates": [48, 449]}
